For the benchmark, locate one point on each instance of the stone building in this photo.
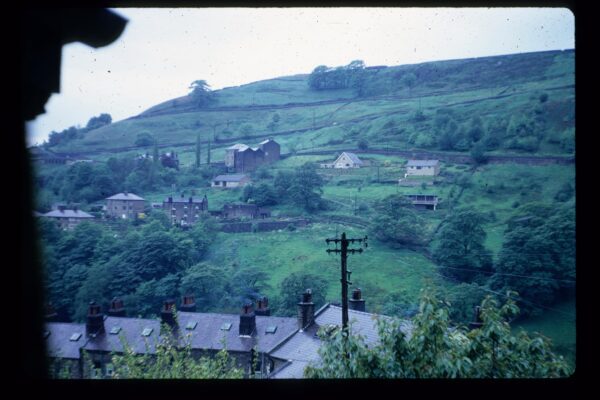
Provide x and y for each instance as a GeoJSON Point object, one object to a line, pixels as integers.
{"type": "Point", "coordinates": [125, 205]}
{"type": "Point", "coordinates": [230, 181]}
{"type": "Point", "coordinates": [243, 210]}
{"type": "Point", "coordinates": [242, 158]}
{"type": "Point", "coordinates": [68, 219]}
{"type": "Point", "coordinates": [345, 160]}
{"type": "Point", "coordinates": [185, 210]}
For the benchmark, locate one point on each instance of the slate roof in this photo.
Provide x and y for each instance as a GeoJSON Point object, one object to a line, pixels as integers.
{"type": "Point", "coordinates": [238, 146]}
{"type": "Point", "coordinates": [58, 343]}
{"type": "Point", "coordinates": [422, 163]}
{"type": "Point", "coordinates": [131, 331]}
{"type": "Point", "coordinates": [230, 178]}
{"type": "Point", "coordinates": [353, 157]}
{"type": "Point", "coordinates": [68, 214]}
{"type": "Point", "coordinates": [207, 334]}
{"type": "Point", "coordinates": [302, 348]}
{"type": "Point", "coordinates": [124, 196]}
{"type": "Point", "coordinates": [267, 141]}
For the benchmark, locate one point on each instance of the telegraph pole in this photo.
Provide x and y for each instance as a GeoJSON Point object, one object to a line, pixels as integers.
{"type": "Point", "coordinates": [344, 242]}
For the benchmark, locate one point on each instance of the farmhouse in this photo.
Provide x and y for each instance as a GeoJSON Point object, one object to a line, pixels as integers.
{"type": "Point", "coordinates": [242, 158]}
{"type": "Point", "coordinates": [68, 219]}
{"type": "Point", "coordinates": [205, 333]}
{"type": "Point", "coordinates": [184, 211]}
{"type": "Point", "coordinates": [423, 167]}
{"type": "Point", "coordinates": [424, 201]}
{"type": "Point", "coordinates": [230, 181]}
{"type": "Point", "coordinates": [345, 160]}
{"type": "Point", "coordinates": [124, 205]}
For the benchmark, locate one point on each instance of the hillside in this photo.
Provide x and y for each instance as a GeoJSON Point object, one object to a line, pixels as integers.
{"type": "Point", "coordinates": [495, 89]}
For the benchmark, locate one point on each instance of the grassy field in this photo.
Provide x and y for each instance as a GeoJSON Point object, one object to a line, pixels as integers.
{"type": "Point", "coordinates": [378, 271]}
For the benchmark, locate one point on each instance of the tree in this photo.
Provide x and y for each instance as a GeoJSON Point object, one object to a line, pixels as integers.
{"type": "Point", "coordinates": [305, 188]}
{"type": "Point", "coordinates": [537, 258]}
{"type": "Point", "coordinates": [460, 246]}
{"type": "Point", "coordinates": [478, 153]}
{"type": "Point", "coordinates": [98, 122]}
{"type": "Point", "coordinates": [250, 283]}
{"type": "Point", "coordinates": [294, 285]}
{"type": "Point", "coordinates": [206, 282]}
{"type": "Point", "coordinates": [201, 93]}
{"type": "Point", "coordinates": [435, 351]}
{"type": "Point", "coordinates": [397, 222]}
{"type": "Point", "coordinates": [363, 144]}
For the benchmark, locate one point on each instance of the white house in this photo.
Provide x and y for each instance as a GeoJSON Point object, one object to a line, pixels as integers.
{"type": "Point", "coordinates": [423, 167]}
{"type": "Point", "coordinates": [345, 160]}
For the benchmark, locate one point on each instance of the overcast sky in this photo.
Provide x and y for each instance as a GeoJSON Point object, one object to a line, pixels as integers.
{"type": "Point", "coordinates": [163, 50]}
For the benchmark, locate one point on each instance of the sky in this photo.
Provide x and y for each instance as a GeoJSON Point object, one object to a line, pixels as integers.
{"type": "Point", "coordinates": [163, 50]}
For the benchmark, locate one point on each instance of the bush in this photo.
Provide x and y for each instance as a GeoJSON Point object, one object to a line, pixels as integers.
{"type": "Point", "coordinates": [144, 139]}
{"type": "Point", "coordinates": [363, 144]}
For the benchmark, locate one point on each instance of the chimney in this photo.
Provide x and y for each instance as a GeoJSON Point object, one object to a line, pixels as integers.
{"type": "Point", "coordinates": [170, 199]}
{"type": "Point", "coordinates": [477, 321]}
{"type": "Point", "coordinates": [167, 314]}
{"type": "Point", "coordinates": [75, 208]}
{"type": "Point", "coordinates": [191, 199]}
{"type": "Point", "coordinates": [50, 314]}
{"type": "Point", "coordinates": [247, 320]}
{"type": "Point", "coordinates": [61, 208]}
{"type": "Point", "coordinates": [306, 310]}
{"type": "Point", "coordinates": [94, 324]}
{"type": "Point", "coordinates": [262, 306]}
{"type": "Point", "coordinates": [356, 303]}
{"type": "Point", "coordinates": [188, 304]}
{"type": "Point", "coordinates": [116, 308]}
{"type": "Point", "coordinates": [125, 192]}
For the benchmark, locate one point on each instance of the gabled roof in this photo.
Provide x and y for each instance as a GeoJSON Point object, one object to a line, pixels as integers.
{"type": "Point", "coordinates": [422, 163]}
{"type": "Point", "coordinates": [207, 334]}
{"type": "Point", "coordinates": [68, 214]}
{"type": "Point", "coordinates": [352, 158]}
{"type": "Point", "coordinates": [230, 178]}
{"type": "Point", "coordinates": [302, 347]}
{"type": "Point", "coordinates": [238, 146]}
{"type": "Point", "coordinates": [124, 196]}
{"type": "Point", "coordinates": [267, 141]}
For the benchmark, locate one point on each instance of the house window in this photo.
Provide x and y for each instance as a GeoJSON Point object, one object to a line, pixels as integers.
{"type": "Point", "coordinates": [110, 369]}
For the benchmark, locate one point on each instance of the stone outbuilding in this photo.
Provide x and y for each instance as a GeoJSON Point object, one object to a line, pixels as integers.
{"type": "Point", "coordinates": [423, 167]}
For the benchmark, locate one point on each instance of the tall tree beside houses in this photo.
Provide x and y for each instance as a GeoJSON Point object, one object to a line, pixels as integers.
{"type": "Point", "coordinates": [198, 149]}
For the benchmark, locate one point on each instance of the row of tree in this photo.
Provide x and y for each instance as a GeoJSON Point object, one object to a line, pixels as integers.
{"type": "Point", "coordinates": [75, 132]}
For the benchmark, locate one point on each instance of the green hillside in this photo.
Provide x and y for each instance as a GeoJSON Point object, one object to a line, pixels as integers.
{"type": "Point", "coordinates": [495, 89]}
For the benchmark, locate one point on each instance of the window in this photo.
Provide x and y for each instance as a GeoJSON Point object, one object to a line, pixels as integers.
{"type": "Point", "coordinates": [191, 325]}
{"type": "Point", "coordinates": [115, 330]}
{"type": "Point", "coordinates": [147, 332]}
{"type": "Point", "coordinates": [75, 337]}
{"type": "Point", "coordinates": [271, 329]}
{"type": "Point", "coordinates": [110, 369]}
{"type": "Point", "coordinates": [226, 326]}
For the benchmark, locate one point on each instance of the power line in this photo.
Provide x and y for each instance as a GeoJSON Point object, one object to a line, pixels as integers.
{"type": "Point", "coordinates": [505, 274]}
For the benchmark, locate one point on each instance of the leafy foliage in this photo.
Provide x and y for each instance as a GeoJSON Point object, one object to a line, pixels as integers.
{"type": "Point", "coordinates": [397, 223]}
{"type": "Point", "coordinates": [201, 93]}
{"type": "Point", "coordinates": [435, 350]}
{"type": "Point", "coordinates": [294, 285]}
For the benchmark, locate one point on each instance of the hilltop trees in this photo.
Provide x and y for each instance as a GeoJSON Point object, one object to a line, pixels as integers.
{"type": "Point", "coordinates": [348, 76]}
{"type": "Point", "coordinates": [201, 93]}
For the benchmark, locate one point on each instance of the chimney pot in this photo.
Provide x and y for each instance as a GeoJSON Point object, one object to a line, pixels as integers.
{"type": "Point", "coordinates": [306, 310]}
{"type": "Point", "coordinates": [95, 320]}
{"type": "Point", "coordinates": [170, 199]}
{"type": "Point", "coordinates": [188, 303]}
{"type": "Point", "coordinates": [167, 313]}
{"type": "Point", "coordinates": [117, 308]}
{"type": "Point", "coordinates": [356, 303]}
{"type": "Point", "coordinates": [247, 320]}
{"type": "Point", "coordinates": [262, 306]}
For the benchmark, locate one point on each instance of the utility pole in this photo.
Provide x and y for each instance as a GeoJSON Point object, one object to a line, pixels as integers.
{"type": "Point", "coordinates": [345, 273]}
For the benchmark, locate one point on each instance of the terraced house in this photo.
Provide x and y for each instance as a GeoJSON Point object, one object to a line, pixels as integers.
{"type": "Point", "coordinates": [185, 210]}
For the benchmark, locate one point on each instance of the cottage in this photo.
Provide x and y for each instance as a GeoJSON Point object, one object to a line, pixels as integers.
{"type": "Point", "coordinates": [230, 181]}
{"type": "Point", "coordinates": [423, 167]}
{"type": "Point", "coordinates": [185, 211]}
{"type": "Point", "coordinates": [424, 201]}
{"type": "Point", "coordinates": [68, 219]}
{"type": "Point", "coordinates": [347, 160]}
{"type": "Point", "coordinates": [205, 333]}
{"type": "Point", "coordinates": [124, 205]}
